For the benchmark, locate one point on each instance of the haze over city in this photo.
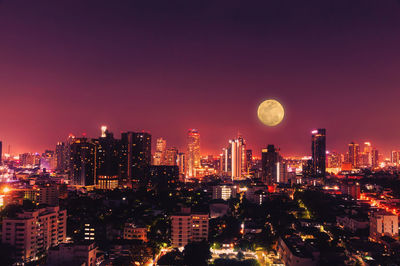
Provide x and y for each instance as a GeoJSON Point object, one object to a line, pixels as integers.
{"type": "Point", "coordinates": [164, 67]}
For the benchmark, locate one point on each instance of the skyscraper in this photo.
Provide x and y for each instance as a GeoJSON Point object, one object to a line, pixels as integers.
{"type": "Point", "coordinates": [354, 154]}
{"type": "Point", "coordinates": [193, 152]}
{"type": "Point", "coordinates": [395, 157]}
{"type": "Point", "coordinates": [171, 156]}
{"type": "Point", "coordinates": [1, 152]}
{"type": "Point", "coordinates": [107, 154]}
{"type": "Point", "coordinates": [235, 158]}
{"type": "Point", "coordinates": [135, 154]}
{"type": "Point", "coordinates": [181, 162]}
{"type": "Point", "coordinates": [159, 156]}
{"type": "Point", "coordinates": [270, 164]}
{"type": "Point", "coordinates": [83, 162]}
{"type": "Point", "coordinates": [318, 150]}
{"type": "Point", "coordinates": [61, 155]}
{"type": "Point", "coordinates": [374, 158]}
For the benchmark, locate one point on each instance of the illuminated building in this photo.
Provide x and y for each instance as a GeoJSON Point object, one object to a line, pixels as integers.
{"type": "Point", "coordinates": [32, 233]}
{"type": "Point", "coordinates": [48, 160]}
{"type": "Point", "coordinates": [136, 154]}
{"type": "Point", "coordinates": [270, 163]}
{"type": "Point", "coordinates": [234, 161]}
{"type": "Point", "coordinates": [395, 157]}
{"type": "Point", "coordinates": [351, 188]}
{"type": "Point", "coordinates": [354, 154]}
{"type": "Point", "coordinates": [1, 153]}
{"type": "Point", "coordinates": [29, 160]}
{"type": "Point", "coordinates": [105, 182]}
{"type": "Point", "coordinates": [366, 156]}
{"type": "Point", "coordinates": [171, 156]}
{"type": "Point", "coordinates": [44, 194]}
{"type": "Point", "coordinates": [334, 160]}
{"type": "Point", "coordinates": [107, 159]}
{"type": "Point", "coordinates": [61, 156]}
{"type": "Point", "coordinates": [374, 158]}
{"type": "Point", "coordinates": [318, 150]}
{"type": "Point", "coordinates": [188, 227]}
{"type": "Point", "coordinates": [83, 162]}
{"type": "Point", "coordinates": [89, 233]}
{"type": "Point", "coordinates": [181, 162]}
{"type": "Point", "coordinates": [193, 152]}
{"type": "Point", "coordinates": [134, 232]}
{"type": "Point", "coordinates": [249, 160]}
{"type": "Point", "coordinates": [224, 192]}
{"type": "Point", "coordinates": [383, 223]}
{"type": "Point", "coordinates": [103, 131]}
{"type": "Point", "coordinates": [159, 156]}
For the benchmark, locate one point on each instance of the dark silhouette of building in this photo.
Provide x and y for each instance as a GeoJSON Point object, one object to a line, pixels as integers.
{"type": "Point", "coordinates": [83, 162]}
{"type": "Point", "coordinates": [269, 159]}
{"type": "Point", "coordinates": [318, 150]}
{"type": "Point", "coordinates": [135, 155]}
{"type": "Point", "coordinates": [107, 155]}
{"type": "Point", "coordinates": [164, 176]}
{"type": "Point", "coordinates": [61, 155]}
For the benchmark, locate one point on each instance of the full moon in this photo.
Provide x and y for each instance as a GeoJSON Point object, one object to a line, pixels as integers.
{"type": "Point", "coordinates": [270, 113]}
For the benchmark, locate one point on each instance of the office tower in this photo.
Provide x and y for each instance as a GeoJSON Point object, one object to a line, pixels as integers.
{"type": "Point", "coordinates": [32, 233]}
{"type": "Point", "coordinates": [181, 162]}
{"type": "Point", "coordinates": [334, 160]}
{"type": "Point", "coordinates": [374, 158]}
{"type": "Point", "coordinates": [367, 154]}
{"type": "Point", "coordinates": [103, 131]}
{"type": "Point", "coordinates": [270, 164]}
{"type": "Point", "coordinates": [354, 154]}
{"type": "Point", "coordinates": [135, 154]}
{"type": "Point", "coordinates": [171, 156]}
{"type": "Point", "coordinates": [235, 158]}
{"type": "Point", "coordinates": [159, 156]}
{"type": "Point", "coordinates": [1, 152]}
{"type": "Point", "coordinates": [226, 160]}
{"type": "Point", "coordinates": [107, 157]}
{"type": "Point", "coordinates": [383, 223]}
{"type": "Point", "coordinates": [61, 156]}
{"type": "Point", "coordinates": [395, 157]}
{"type": "Point", "coordinates": [188, 227]}
{"type": "Point", "coordinates": [249, 160]}
{"type": "Point", "coordinates": [318, 150]}
{"type": "Point", "coordinates": [193, 152]}
{"type": "Point", "coordinates": [83, 162]}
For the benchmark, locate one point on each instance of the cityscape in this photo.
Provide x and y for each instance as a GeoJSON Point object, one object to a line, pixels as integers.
{"type": "Point", "coordinates": [254, 133]}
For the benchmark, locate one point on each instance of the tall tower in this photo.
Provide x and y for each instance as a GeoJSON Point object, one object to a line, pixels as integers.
{"type": "Point", "coordinates": [1, 152]}
{"type": "Point", "coordinates": [83, 162]}
{"type": "Point", "coordinates": [270, 163]}
{"type": "Point", "coordinates": [193, 152]}
{"type": "Point", "coordinates": [318, 150]}
{"type": "Point", "coordinates": [237, 157]}
{"type": "Point", "coordinates": [354, 154]}
{"type": "Point", "coordinates": [159, 156]}
{"type": "Point", "coordinates": [171, 156]}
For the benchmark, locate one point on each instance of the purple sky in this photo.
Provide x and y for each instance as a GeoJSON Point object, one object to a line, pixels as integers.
{"type": "Point", "coordinates": [166, 66]}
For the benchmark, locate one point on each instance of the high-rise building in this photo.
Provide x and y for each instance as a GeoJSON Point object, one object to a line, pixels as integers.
{"type": "Point", "coordinates": [159, 156]}
{"type": "Point", "coordinates": [32, 233]}
{"type": "Point", "coordinates": [334, 160]}
{"type": "Point", "coordinates": [61, 156]}
{"type": "Point", "coordinates": [374, 158]}
{"type": "Point", "coordinates": [181, 162]}
{"type": "Point", "coordinates": [354, 154]}
{"type": "Point", "coordinates": [249, 160]}
{"type": "Point", "coordinates": [318, 150]}
{"type": "Point", "coordinates": [271, 164]}
{"type": "Point", "coordinates": [171, 156]}
{"type": "Point", "coordinates": [107, 159]}
{"type": "Point", "coordinates": [193, 152]}
{"type": "Point", "coordinates": [135, 154]}
{"type": "Point", "coordinates": [367, 155]}
{"type": "Point", "coordinates": [1, 152]}
{"type": "Point", "coordinates": [395, 157]}
{"type": "Point", "coordinates": [235, 158]}
{"type": "Point", "coordinates": [83, 162]}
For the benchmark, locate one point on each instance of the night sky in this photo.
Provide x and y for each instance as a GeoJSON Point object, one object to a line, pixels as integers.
{"type": "Point", "coordinates": [167, 66]}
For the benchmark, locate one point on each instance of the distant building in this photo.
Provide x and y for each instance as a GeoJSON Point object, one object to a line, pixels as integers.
{"type": "Point", "coordinates": [188, 227]}
{"type": "Point", "coordinates": [271, 162]}
{"type": "Point", "coordinates": [234, 158]}
{"type": "Point", "coordinates": [72, 254]}
{"type": "Point", "coordinates": [395, 157]}
{"type": "Point", "coordinates": [354, 155]}
{"type": "Point", "coordinates": [134, 232]}
{"type": "Point", "coordinates": [193, 152]}
{"type": "Point", "coordinates": [352, 223]}
{"type": "Point", "coordinates": [383, 223]}
{"type": "Point", "coordinates": [159, 156]}
{"type": "Point", "coordinates": [1, 153]}
{"type": "Point", "coordinates": [61, 157]}
{"type": "Point", "coordinates": [351, 188]}
{"type": "Point", "coordinates": [318, 151]}
{"type": "Point", "coordinates": [44, 194]}
{"type": "Point", "coordinates": [164, 176]}
{"type": "Point", "coordinates": [181, 162]}
{"type": "Point", "coordinates": [224, 192]}
{"type": "Point", "coordinates": [83, 162]}
{"type": "Point", "coordinates": [171, 156]}
{"type": "Point", "coordinates": [33, 232]}
{"type": "Point", "coordinates": [375, 158]}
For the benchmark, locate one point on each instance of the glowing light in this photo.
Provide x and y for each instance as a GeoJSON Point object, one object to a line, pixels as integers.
{"type": "Point", "coordinates": [6, 190]}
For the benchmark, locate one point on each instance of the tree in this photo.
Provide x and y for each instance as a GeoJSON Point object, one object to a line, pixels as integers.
{"type": "Point", "coordinates": [197, 253]}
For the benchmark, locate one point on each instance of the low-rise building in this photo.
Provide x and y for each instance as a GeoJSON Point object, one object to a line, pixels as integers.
{"type": "Point", "coordinates": [383, 223]}
{"type": "Point", "coordinates": [295, 252]}
{"type": "Point", "coordinates": [72, 254]}
{"type": "Point", "coordinates": [134, 232]}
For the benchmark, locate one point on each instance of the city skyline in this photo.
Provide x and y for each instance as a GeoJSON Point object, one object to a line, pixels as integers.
{"type": "Point", "coordinates": [198, 65]}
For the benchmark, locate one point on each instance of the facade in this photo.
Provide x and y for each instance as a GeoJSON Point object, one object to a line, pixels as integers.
{"type": "Point", "coordinates": [188, 227]}
{"type": "Point", "coordinates": [318, 150]}
{"type": "Point", "coordinates": [159, 156]}
{"type": "Point", "coordinates": [224, 192]}
{"type": "Point", "coordinates": [72, 254]}
{"type": "Point", "coordinates": [383, 223]}
{"type": "Point", "coordinates": [135, 154]}
{"type": "Point", "coordinates": [193, 152]}
{"type": "Point", "coordinates": [235, 165]}
{"type": "Point", "coordinates": [171, 156]}
{"type": "Point", "coordinates": [44, 194]}
{"type": "Point", "coordinates": [33, 233]}
{"type": "Point", "coordinates": [134, 232]}
{"type": "Point", "coordinates": [295, 252]}
{"type": "Point", "coordinates": [354, 154]}
{"type": "Point", "coordinates": [271, 164]}
{"type": "Point", "coordinates": [83, 162]}
{"type": "Point", "coordinates": [106, 182]}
